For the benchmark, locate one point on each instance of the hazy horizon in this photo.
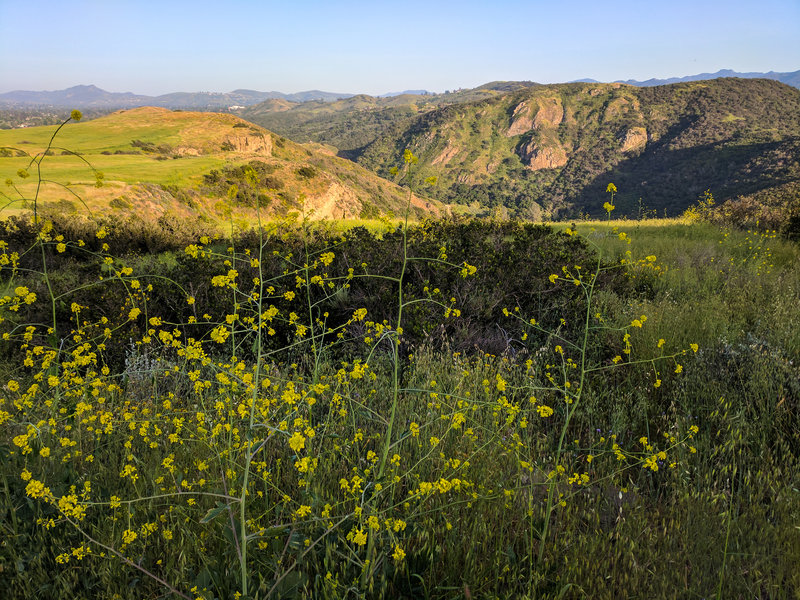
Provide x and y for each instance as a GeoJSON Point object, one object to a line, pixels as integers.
{"type": "Point", "coordinates": [356, 92]}
{"type": "Point", "coordinates": [353, 47]}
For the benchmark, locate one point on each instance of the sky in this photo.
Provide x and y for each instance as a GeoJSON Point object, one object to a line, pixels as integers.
{"type": "Point", "coordinates": [377, 47]}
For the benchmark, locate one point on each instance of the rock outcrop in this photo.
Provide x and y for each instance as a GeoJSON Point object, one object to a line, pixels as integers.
{"type": "Point", "coordinates": [550, 114]}
{"type": "Point", "coordinates": [446, 155]}
{"type": "Point", "coordinates": [546, 113]}
{"type": "Point", "coordinates": [249, 144]}
{"type": "Point", "coordinates": [521, 120]}
{"type": "Point", "coordinates": [539, 156]}
{"type": "Point", "coordinates": [635, 139]}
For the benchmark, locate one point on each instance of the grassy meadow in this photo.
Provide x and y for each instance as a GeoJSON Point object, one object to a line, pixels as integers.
{"type": "Point", "coordinates": [105, 145]}
{"type": "Point", "coordinates": [148, 162]}
{"type": "Point", "coordinates": [455, 408]}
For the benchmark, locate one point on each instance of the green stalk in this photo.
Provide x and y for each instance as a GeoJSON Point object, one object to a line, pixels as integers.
{"type": "Point", "coordinates": [311, 324]}
{"type": "Point", "coordinates": [233, 290]}
{"type": "Point", "coordinates": [396, 346]}
{"type": "Point", "coordinates": [54, 335]}
{"type": "Point", "coordinates": [395, 375]}
{"type": "Point", "coordinates": [571, 411]}
{"type": "Point", "coordinates": [727, 537]}
{"type": "Point", "coordinates": [256, 385]}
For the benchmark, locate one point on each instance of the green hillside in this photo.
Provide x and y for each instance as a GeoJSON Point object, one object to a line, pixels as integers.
{"type": "Point", "coordinates": [154, 160]}
{"type": "Point", "coordinates": [557, 147]}
{"type": "Point", "coordinates": [551, 150]}
{"type": "Point", "coordinates": [352, 123]}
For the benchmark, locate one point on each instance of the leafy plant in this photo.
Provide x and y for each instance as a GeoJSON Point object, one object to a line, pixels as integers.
{"type": "Point", "coordinates": [282, 413]}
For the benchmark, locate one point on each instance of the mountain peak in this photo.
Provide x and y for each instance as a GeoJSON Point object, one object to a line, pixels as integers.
{"type": "Point", "coordinates": [91, 87]}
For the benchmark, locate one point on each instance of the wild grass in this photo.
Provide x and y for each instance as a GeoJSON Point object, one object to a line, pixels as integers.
{"type": "Point", "coordinates": [233, 421]}
{"type": "Point", "coordinates": [157, 161]}
{"type": "Point", "coordinates": [106, 144]}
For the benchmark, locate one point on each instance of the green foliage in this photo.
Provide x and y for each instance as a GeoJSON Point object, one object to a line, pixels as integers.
{"type": "Point", "coordinates": [690, 143]}
{"type": "Point", "coordinates": [744, 447]}
{"type": "Point", "coordinates": [773, 210]}
{"type": "Point", "coordinates": [792, 226]}
{"type": "Point", "coordinates": [150, 147]}
{"type": "Point", "coordinates": [302, 412]}
{"type": "Point", "coordinates": [253, 182]}
{"type": "Point", "coordinates": [307, 172]}
{"type": "Point", "coordinates": [513, 262]}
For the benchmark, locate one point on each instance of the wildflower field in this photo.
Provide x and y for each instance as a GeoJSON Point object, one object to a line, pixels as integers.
{"type": "Point", "coordinates": [448, 409]}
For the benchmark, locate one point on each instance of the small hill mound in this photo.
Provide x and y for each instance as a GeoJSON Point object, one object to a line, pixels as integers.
{"type": "Point", "coordinates": [173, 132]}
{"type": "Point", "coordinates": [213, 165]}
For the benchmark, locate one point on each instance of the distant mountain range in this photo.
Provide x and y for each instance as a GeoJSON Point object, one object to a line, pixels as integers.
{"type": "Point", "coordinates": [91, 96]}
{"type": "Point", "coordinates": [792, 78]}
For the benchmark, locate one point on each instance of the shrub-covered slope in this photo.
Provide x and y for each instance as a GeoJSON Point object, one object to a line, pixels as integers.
{"type": "Point", "coordinates": [552, 149]}
{"type": "Point", "coordinates": [556, 147]}
{"type": "Point", "coordinates": [350, 124]}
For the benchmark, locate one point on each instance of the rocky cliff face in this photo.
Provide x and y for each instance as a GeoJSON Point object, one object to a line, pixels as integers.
{"type": "Point", "coordinates": [635, 139]}
{"type": "Point", "coordinates": [521, 120]}
{"type": "Point", "coordinates": [259, 144]}
{"type": "Point", "coordinates": [537, 156]}
{"type": "Point", "coordinates": [536, 114]}
{"type": "Point", "coordinates": [550, 114]}
{"type": "Point", "coordinates": [542, 115]}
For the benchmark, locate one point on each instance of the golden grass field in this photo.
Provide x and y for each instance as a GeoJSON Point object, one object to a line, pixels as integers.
{"type": "Point", "coordinates": [138, 149]}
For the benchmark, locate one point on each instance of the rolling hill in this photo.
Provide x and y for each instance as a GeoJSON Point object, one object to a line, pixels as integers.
{"type": "Point", "coordinates": [212, 165]}
{"type": "Point", "coordinates": [350, 124]}
{"type": "Point", "coordinates": [552, 150]}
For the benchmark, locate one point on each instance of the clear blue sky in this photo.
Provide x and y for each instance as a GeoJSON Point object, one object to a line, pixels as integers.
{"type": "Point", "coordinates": [375, 47]}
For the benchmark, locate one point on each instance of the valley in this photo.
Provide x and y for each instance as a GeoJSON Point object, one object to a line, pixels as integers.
{"type": "Point", "coordinates": [517, 149]}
